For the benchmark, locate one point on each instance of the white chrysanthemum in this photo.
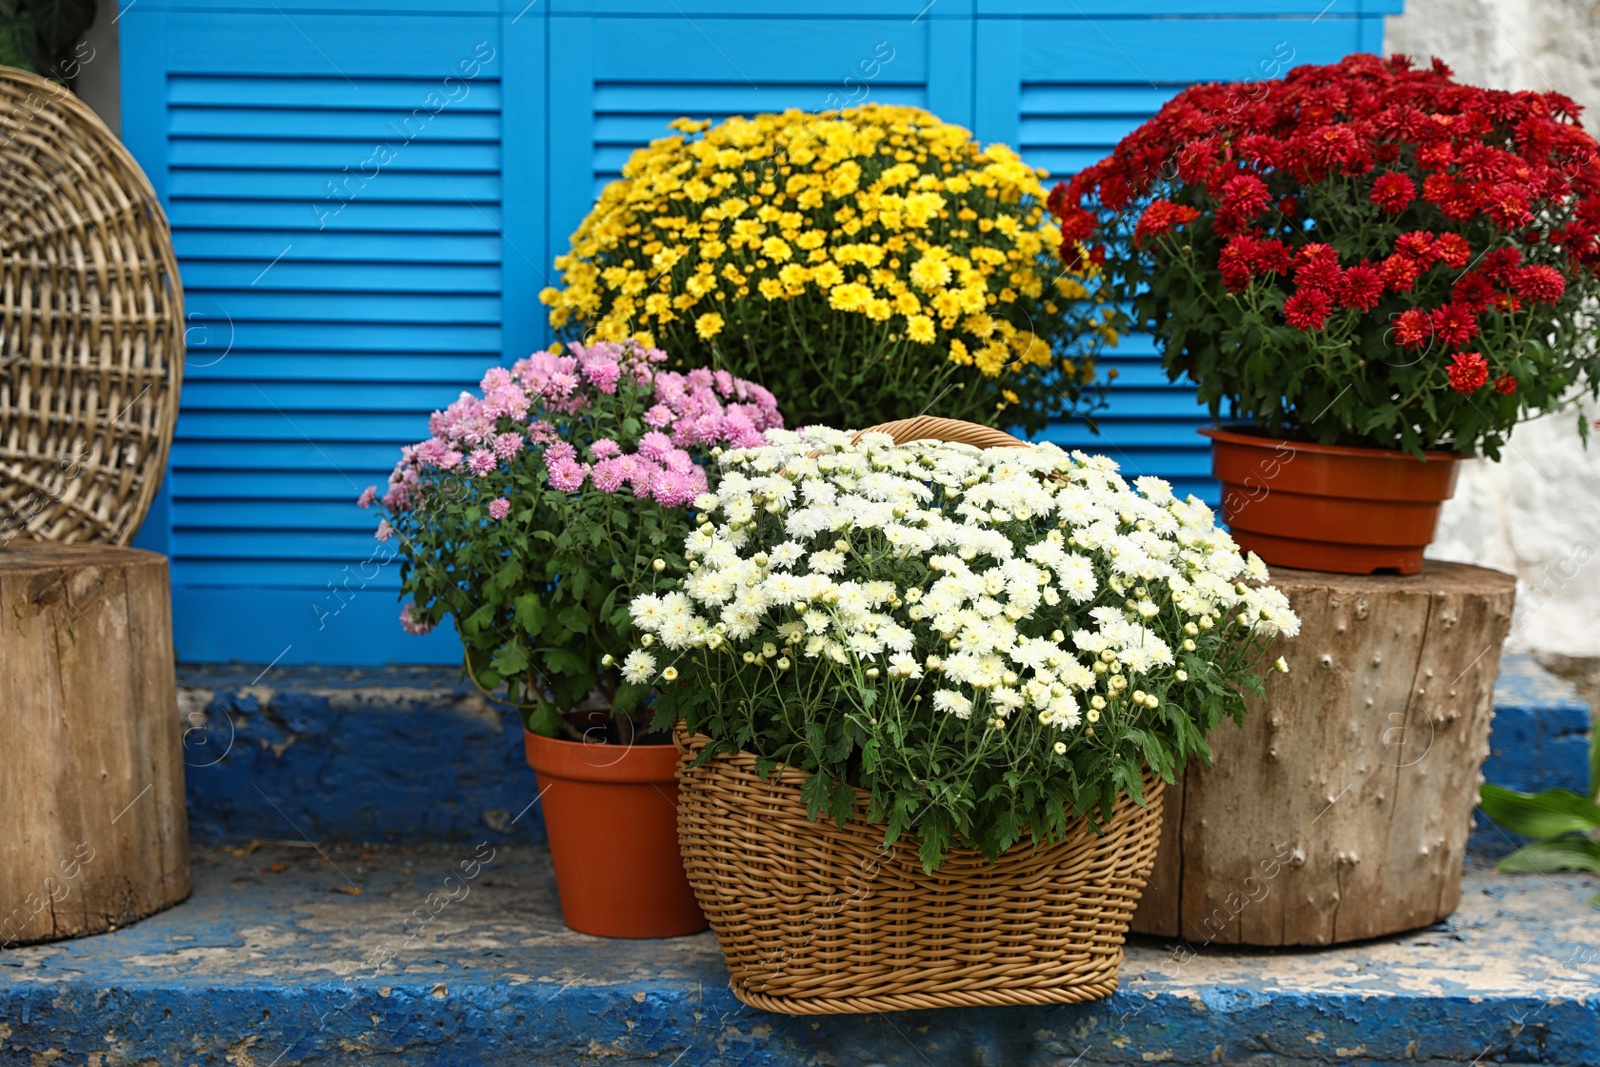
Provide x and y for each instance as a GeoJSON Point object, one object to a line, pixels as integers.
{"type": "Point", "coordinates": [953, 703]}
{"type": "Point", "coordinates": [905, 666]}
{"type": "Point", "coordinates": [938, 558]}
{"type": "Point", "coordinates": [639, 668]}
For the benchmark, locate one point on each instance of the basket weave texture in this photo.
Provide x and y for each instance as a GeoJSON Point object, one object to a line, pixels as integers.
{"type": "Point", "coordinates": [815, 919]}
{"type": "Point", "coordinates": [91, 323]}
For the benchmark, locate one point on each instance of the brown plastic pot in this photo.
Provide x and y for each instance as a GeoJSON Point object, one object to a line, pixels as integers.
{"type": "Point", "coordinates": [1329, 507]}
{"type": "Point", "coordinates": [611, 812]}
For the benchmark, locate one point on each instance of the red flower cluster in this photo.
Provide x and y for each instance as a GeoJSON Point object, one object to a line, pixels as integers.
{"type": "Point", "coordinates": [1455, 177]}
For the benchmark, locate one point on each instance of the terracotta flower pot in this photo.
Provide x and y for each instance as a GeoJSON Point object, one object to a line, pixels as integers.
{"type": "Point", "coordinates": [1328, 507]}
{"type": "Point", "coordinates": [611, 812]}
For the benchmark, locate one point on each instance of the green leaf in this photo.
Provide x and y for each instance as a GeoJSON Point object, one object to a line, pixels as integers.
{"type": "Point", "coordinates": [1542, 815]}
{"type": "Point", "coordinates": [511, 659]}
{"type": "Point", "coordinates": [544, 720]}
{"type": "Point", "coordinates": [816, 795]}
{"type": "Point", "coordinates": [1594, 761]}
{"type": "Point", "coordinates": [529, 613]}
{"type": "Point", "coordinates": [934, 840]}
{"type": "Point", "coordinates": [1563, 854]}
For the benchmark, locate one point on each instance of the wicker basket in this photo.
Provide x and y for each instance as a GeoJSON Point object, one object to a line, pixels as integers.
{"type": "Point", "coordinates": [91, 323]}
{"type": "Point", "coordinates": [814, 919]}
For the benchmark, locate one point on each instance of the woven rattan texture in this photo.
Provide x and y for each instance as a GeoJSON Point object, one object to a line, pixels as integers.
{"type": "Point", "coordinates": [814, 919]}
{"type": "Point", "coordinates": [932, 427]}
{"type": "Point", "coordinates": [91, 323]}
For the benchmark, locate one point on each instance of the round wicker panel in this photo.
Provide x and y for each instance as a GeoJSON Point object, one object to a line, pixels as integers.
{"type": "Point", "coordinates": [814, 919]}
{"type": "Point", "coordinates": [91, 323]}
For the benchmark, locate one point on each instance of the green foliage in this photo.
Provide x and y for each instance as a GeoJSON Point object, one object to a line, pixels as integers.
{"type": "Point", "coordinates": [39, 35]}
{"type": "Point", "coordinates": [1351, 383]}
{"type": "Point", "coordinates": [1565, 825]}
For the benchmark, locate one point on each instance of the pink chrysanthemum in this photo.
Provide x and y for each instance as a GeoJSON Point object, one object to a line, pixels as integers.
{"type": "Point", "coordinates": [499, 508]}
{"type": "Point", "coordinates": [507, 445]}
{"type": "Point", "coordinates": [481, 462]}
{"type": "Point", "coordinates": [655, 445]}
{"type": "Point", "coordinates": [609, 474]}
{"type": "Point", "coordinates": [567, 475]}
{"type": "Point", "coordinates": [410, 623]}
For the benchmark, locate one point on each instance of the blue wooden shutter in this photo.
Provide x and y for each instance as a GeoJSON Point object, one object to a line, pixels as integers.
{"type": "Point", "coordinates": [320, 338]}
{"type": "Point", "coordinates": [350, 195]}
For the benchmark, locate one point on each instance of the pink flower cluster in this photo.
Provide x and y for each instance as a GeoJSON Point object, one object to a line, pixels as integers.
{"type": "Point", "coordinates": [548, 390]}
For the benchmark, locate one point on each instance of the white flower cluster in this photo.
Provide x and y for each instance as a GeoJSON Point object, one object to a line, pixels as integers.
{"type": "Point", "coordinates": [1009, 581]}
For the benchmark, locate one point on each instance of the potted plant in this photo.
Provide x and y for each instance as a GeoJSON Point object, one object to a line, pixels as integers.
{"type": "Point", "coordinates": [865, 263]}
{"type": "Point", "coordinates": [1377, 270]}
{"type": "Point", "coordinates": [530, 517]}
{"type": "Point", "coordinates": [929, 694]}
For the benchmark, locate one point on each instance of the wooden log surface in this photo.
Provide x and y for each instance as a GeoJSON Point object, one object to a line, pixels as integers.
{"type": "Point", "coordinates": [1340, 809]}
{"type": "Point", "coordinates": [93, 830]}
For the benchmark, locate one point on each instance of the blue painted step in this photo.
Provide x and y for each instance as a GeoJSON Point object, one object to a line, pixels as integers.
{"type": "Point", "coordinates": [278, 961]}
{"type": "Point", "coordinates": [408, 754]}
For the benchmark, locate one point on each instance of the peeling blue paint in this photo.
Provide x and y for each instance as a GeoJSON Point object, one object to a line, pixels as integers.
{"type": "Point", "coordinates": [375, 754]}
{"type": "Point", "coordinates": [268, 965]}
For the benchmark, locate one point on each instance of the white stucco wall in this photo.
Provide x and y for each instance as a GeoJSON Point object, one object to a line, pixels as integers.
{"type": "Point", "coordinates": [1537, 512]}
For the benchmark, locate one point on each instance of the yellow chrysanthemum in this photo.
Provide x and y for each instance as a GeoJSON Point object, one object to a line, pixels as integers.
{"type": "Point", "coordinates": [885, 234]}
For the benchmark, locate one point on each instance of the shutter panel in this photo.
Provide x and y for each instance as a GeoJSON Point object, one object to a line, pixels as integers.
{"type": "Point", "coordinates": [336, 206]}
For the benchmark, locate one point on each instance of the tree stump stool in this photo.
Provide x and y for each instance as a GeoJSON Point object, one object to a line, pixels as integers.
{"type": "Point", "coordinates": [93, 830]}
{"type": "Point", "coordinates": [1340, 809]}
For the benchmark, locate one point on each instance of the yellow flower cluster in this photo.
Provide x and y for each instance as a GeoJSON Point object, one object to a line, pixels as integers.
{"type": "Point", "coordinates": [880, 212]}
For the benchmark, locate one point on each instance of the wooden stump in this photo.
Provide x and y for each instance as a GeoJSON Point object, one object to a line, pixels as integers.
{"type": "Point", "coordinates": [93, 831]}
{"type": "Point", "coordinates": [1340, 810]}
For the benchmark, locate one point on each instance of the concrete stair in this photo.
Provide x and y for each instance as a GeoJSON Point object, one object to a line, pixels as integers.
{"type": "Point", "coordinates": [301, 945]}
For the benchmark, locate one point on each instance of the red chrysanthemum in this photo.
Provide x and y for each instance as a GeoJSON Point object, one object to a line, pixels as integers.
{"type": "Point", "coordinates": [1539, 283]}
{"type": "Point", "coordinates": [1393, 192]}
{"type": "Point", "coordinates": [1307, 309]}
{"type": "Point", "coordinates": [1505, 385]}
{"type": "Point", "coordinates": [1161, 217]}
{"type": "Point", "coordinates": [1076, 225]}
{"type": "Point", "coordinates": [1399, 272]}
{"type": "Point", "coordinates": [1244, 197]}
{"type": "Point", "coordinates": [1418, 244]}
{"type": "Point", "coordinates": [1473, 291]}
{"type": "Point", "coordinates": [1361, 287]}
{"type": "Point", "coordinates": [1412, 328]}
{"type": "Point", "coordinates": [1316, 266]}
{"type": "Point", "coordinates": [1452, 250]}
{"type": "Point", "coordinates": [1468, 371]}
{"type": "Point", "coordinates": [1454, 324]}
{"type": "Point", "coordinates": [1507, 205]}
{"type": "Point", "coordinates": [1500, 266]}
